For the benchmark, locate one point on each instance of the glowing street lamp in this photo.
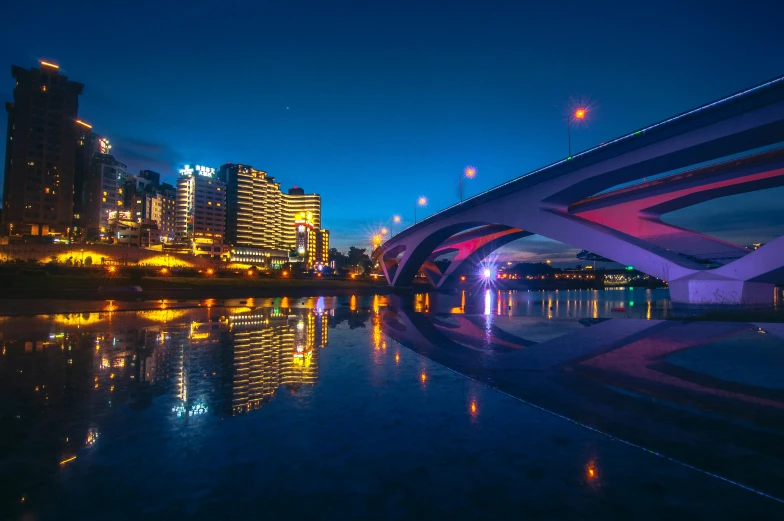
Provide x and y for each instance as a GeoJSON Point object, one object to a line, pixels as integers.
{"type": "Point", "coordinates": [468, 173]}
{"type": "Point", "coordinates": [421, 201]}
{"type": "Point", "coordinates": [395, 220]}
{"type": "Point", "coordinates": [384, 231]}
{"type": "Point", "coordinates": [578, 115]}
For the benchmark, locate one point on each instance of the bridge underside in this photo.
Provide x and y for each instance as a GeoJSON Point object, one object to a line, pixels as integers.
{"type": "Point", "coordinates": [625, 224]}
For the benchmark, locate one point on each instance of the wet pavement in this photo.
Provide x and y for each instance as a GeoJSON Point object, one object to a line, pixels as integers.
{"type": "Point", "coordinates": [352, 409]}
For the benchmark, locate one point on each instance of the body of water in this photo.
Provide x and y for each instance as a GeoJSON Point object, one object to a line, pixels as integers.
{"type": "Point", "coordinates": [501, 405]}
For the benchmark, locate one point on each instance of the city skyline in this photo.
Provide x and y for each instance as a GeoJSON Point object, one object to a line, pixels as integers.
{"type": "Point", "coordinates": [401, 117]}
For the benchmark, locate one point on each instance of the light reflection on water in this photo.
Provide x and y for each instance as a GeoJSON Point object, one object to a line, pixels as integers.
{"type": "Point", "coordinates": [68, 379]}
{"type": "Point", "coordinates": [611, 302]}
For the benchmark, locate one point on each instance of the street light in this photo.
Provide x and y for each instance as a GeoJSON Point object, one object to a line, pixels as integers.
{"type": "Point", "coordinates": [421, 201]}
{"type": "Point", "coordinates": [395, 220]}
{"type": "Point", "coordinates": [469, 173]}
{"type": "Point", "coordinates": [578, 115]}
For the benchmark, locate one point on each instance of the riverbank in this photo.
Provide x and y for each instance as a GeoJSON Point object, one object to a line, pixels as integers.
{"type": "Point", "coordinates": [76, 287]}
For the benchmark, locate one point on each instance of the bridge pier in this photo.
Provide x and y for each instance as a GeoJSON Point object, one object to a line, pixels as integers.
{"type": "Point", "coordinates": [715, 290]}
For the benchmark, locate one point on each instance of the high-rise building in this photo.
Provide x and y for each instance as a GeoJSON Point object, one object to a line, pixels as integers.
{"type": "Point", "coordinates": [261, 219]}
{"type": "Point", "coordinates": [40, 152]}
{"type": "Point", "coordinates": [201, 210]}
{"type": "Point", "coordinates": [295, 203]}
{"type": "Point", "coordinates": [88, 144]}
{"type": "Point", "coordinates": [253, 201]}
{"type": "Point", "coordinates": [104, 195]}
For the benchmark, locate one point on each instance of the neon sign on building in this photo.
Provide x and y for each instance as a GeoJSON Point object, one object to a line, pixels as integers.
{"type": "Point", "coordinates": [199, 169]}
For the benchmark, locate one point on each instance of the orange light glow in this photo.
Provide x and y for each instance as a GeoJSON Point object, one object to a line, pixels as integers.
{"type": "Point", "coordinates": [377, 240]}
{"type": "Point", "coordinates": [591, 473]}
{"type": "Point", "coordinates": [47, 64]}
{"type": "Point", "coordinates": [83, 123]}
{"type": "Point", "coordinates": [470, 172]}
{"type": "Point", "coordinates": [285, 273]}
{"type": "Point", "coordinates": [474, 408]}
{"type": "Point", "coordinates": [384, 231]}
{"type": "Point", "coordinates": [396, 219]}
{"type": "Point", "coordinates": [579, 113]}
{"type": "Point", "coordinates": [423, 377]}
{"type": "Point", "coordinates": [250, 273]}
{"type": "Point", "coordinates": [210, 271]}
{"type": "Point", "coordinates": [112, 269]}
{"type": "Point", "coordinates": [164, 271]}
{"type": "Point", "coordinates": [422, 201]}
{"type": "Point", "coordinates": [462, 278]}
{"type": "Point", "coordinates": [397, 358]}
{"type": "Point", "coordinates": [67, 460]}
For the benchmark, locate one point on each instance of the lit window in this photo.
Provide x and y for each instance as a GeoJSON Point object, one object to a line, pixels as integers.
{"type": "Point", "coordinates": [104, 193]}
{"type": "Point", "coordinates": [104, 199]}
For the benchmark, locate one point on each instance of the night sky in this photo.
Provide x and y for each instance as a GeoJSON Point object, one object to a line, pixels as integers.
{"type": "Point", "coordinates": [373, 103]}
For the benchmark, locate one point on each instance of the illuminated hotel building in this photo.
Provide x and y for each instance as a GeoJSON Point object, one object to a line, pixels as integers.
{"type": "Point", "coordinates": [261, 221]}
{"type": "Point", "coordinates": [200, 210]}
{"type": "Point", "coordinates": [253, 207]}
{"type": "Point", "coordinates": [295, 204]}
{"type": "Point", "coordinates": [40, 152]}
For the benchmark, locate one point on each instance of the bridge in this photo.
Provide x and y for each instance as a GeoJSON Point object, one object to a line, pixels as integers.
{"type": "Point", "coordinates": [726, 147]}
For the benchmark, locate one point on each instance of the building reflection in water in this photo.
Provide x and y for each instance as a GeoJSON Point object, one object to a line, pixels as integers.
{"type": "Point", "coordinates": [272, 349]}
{"type": "Point", "coordinates": [62, 375]}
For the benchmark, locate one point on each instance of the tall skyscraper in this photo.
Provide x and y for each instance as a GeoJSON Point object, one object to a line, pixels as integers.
{"type": "Point", "coordinates": [296, 203]}
{"type": "Point", "coordinates": [260, 217]}
{"type": "Point", "coordinates": [253, 201]}
{"type": "Point", "coordinates": [201, 209]}
{"type": "Point", "coordinates": [40, 152]}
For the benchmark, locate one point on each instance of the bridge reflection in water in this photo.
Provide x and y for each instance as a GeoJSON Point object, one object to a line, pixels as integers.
{"type": "Point", "coordinates": [706, 394]}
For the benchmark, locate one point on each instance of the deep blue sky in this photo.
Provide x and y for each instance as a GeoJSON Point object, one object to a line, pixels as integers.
{"type": "Point", "coordinates": [373, 103]}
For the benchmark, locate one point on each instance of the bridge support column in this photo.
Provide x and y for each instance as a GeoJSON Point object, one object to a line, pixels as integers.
{"type": "Point", "coordinates": [715, 290]}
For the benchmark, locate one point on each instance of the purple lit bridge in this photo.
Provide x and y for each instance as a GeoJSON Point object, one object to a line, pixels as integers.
{"type": "Point", "coordinates": [727, 147]}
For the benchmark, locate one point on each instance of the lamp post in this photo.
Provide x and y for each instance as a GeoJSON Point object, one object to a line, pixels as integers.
{"type": "Point", "coordinates": [421, 201]}
{"type": "Point", "coordinates": [579, 114]}
{"type": "Point", "coordinates": [469, 173]}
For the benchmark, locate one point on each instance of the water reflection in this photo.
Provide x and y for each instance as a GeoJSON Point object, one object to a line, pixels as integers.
{"type": "Point", "coordinates": [707, 393]}
{"type": "Point", "coordinates": [610, 302]}
{"type": "Point", "coordinates": [61, 375]}
{"type": "Point", "coordinates": [259, 385]}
